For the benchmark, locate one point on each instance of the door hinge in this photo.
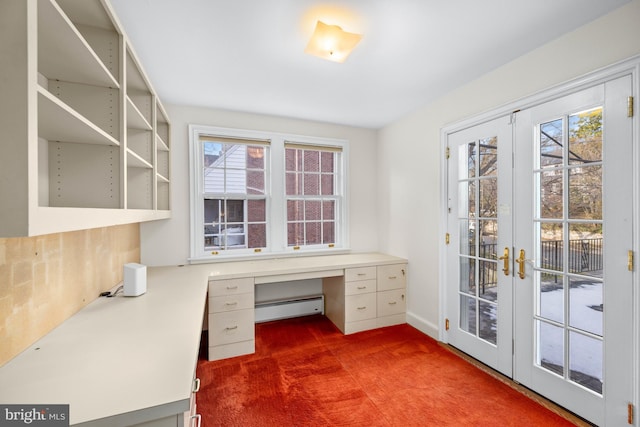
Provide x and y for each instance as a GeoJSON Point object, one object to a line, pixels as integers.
{"type": "Point", "coordinates": [447, 238]}
{"type": "Point", "coordinates": [447, 153]}
{"type": "Point", "coordinates": [630, 260]}
{"type": "Point", "coordinates": [630, 106]}
{"type": "Point", "coordinates": [630, 413]}
{"type": "Point", "coordinates": [446, 324]}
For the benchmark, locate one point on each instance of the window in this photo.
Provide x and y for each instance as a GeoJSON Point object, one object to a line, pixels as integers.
{"type": "Point", "coordinates": [311, 194]}
{"type": "Point", "coordinates": [259, 194]}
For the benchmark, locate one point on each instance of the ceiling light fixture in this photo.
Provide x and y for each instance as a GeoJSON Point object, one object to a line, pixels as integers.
{"type": "Point", "coordinates": [331, 42]}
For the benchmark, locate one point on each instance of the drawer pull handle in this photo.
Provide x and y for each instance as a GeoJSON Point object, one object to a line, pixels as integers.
{"type": "Point", "coordinates": [230, 288]}
{"type": "Point", "coordinates": [362, 287]}
{"type": "Point", "coordinates": [393, 277]}
{"type": "Point", "coordinates": [196, 385]}
{"type": "Point", "coordinates": [362, 274]}
{"type": "Point", "coordinates": [231, 303]}
{"type": "Point", "coordinates": [393, 303]}
{"type": "Point", "coordinates": [230, 328]}
{"type": "Point", "coordinates": [198, 419]}
{"type": "Point", "coordinates": [362, 308]}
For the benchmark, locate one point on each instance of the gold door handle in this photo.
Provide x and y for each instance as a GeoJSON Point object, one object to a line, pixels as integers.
{"type": "Point", "coordinates": [505, 258]}
{"type": "Point", "coordinates": [520, 260]}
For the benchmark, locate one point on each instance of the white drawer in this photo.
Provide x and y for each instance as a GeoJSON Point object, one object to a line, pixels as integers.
{"type": "Point", "coordinates": [230, 327]}
{"type": "Point", "coordinates": [391, 302]}
{"type": "Point", "coordinates": [230, 303]}
{"type": "Point", "coordinates": [230, 286]}
{"type": "Point", "coordinates": [359, 273]}
{"type": "Point", "coordinates": [392, 276]}
{"type": "Point", "coordinates": [360, 287]}
{"type": "Point", "coordinates": [359, 307]}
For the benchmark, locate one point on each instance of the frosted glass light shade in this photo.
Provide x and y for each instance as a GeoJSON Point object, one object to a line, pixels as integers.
{"type": "Point", "coordinates": [331, 42]}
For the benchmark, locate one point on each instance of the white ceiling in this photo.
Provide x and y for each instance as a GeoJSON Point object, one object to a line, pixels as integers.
{"type": "Point", "coordinates": [248, 55]}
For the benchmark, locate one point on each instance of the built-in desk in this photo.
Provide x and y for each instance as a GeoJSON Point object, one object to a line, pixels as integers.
{"type": "Point", "coordinates": [125, 361]}
{"type": "Point", "coordinates": [363, 291]}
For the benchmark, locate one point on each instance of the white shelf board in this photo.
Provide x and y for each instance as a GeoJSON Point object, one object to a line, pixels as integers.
{"type": "Point", "coordinates": [64, 54]}
{"type": "Point", "coordinates": [87, 12]}
{"type": "Point", "coordinates": [59, 122]}
{"type": "Point", "coordinates": [162, 178]}
{"type": "Point", "coordinates": [161, 145]}
{"type": "Point", "coordinates": [135, 119]}
{"type": "Point", "coordinates": [135, 161]}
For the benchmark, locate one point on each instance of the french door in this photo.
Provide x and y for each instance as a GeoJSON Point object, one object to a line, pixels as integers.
{"type": "Point", "coordinates": [539, 263]}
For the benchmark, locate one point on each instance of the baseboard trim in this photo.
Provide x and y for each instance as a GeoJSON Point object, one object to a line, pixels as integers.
{"type": "Point", "coordinates": [423, 325]}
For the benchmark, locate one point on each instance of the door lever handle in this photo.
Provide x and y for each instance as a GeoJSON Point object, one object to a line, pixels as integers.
{"type": "Point", "coordinates": [505, 258]}
{"type": "Point", "coordinates": [521, 261]}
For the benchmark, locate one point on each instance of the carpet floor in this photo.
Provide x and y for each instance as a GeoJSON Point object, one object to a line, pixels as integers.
{"type": "Point", "coordinates": [305, 372]}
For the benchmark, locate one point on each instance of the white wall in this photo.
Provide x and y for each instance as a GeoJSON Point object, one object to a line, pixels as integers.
{"type": "Point", "coordinates": [166, 242]}
{"type": "Point", "coordinates": [410, 184]}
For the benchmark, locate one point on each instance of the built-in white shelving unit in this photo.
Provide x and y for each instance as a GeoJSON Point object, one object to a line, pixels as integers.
{"type": "Point", "coordinates": [85, 138]}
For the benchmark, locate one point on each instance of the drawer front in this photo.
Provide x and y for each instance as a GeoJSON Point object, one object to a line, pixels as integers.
{"type": "Point", "coordinates": [359, 307]}
{"type": "Point", "coordinates": [391, 302]}
{"type": "Point", "coordinates": [234, 326]}
{"type": "Point", "coordinates": [392, 277]}
{"type": "Point", "coordinates": [230, 303]}
{"type": "Point", "coordinates": [230, 286]}
{"type": "Point", "coordinates": [359, 273]}
{"type": "Point", "coordinates": [360, 287]}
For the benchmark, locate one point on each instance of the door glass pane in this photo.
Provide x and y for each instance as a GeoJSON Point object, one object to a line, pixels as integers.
{"type": "Point", "coordinates": [586, 305]}
{"type": "Point", "coordinates": [488, 157]}
{"type": "Point", "coordinates": [551, 197]}
{"type": "Point", "coordinates": [488, 317]}
{"type": "Point", "coordinates": [585, 249]}
{"type": "Point", "coordinates": [585, 361]}
{"type": "Point", "coordinates": [551, 143]}
{"type": "Point", "coordinates": [488, 239]}
{"type": "Point", "coordinates": [488, 280]}
{"type": "Point", "coordinates": [551, 246]}
{"type": "Point", "coordinates": [468, 275]}
{"type": "Point", "coordinates": [467, 161]}
{"type": "Point", "coordinates": [488, 197]}
{"type": "Point", "coordinates": [550, 347]}
{"type": "Point", "coordinates": [468, 314]}
{"type": "Point", "coordinates": [585, 192]}
{"type": "Point", "coordinates": [551, 296]}
{"type": "Point", "coordinates": [585, 137]}
{"type": "Point", "coordinates": [467, 237]}
{"type": "Point", "coordinates": [466, 199]}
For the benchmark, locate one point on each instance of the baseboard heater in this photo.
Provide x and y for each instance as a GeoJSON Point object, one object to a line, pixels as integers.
{"type": "Point", "coordinates": [284, 309]}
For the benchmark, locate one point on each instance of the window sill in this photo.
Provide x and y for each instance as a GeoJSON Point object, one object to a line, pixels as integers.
{"type": "Point", "coordinates": [248, 257]}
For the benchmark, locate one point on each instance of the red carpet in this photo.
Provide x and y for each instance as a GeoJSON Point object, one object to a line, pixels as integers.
{"type": "Point", "coordinates": [306, 373]}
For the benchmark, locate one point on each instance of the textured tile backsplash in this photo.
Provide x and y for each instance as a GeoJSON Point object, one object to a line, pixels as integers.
{"type": "Point", "coordinates": [46, 279]}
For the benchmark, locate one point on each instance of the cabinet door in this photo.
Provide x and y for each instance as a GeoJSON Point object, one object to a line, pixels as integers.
{"type": "Point", "coordinates": [392, 276]}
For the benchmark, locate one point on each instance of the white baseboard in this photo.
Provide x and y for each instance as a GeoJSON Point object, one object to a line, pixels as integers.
{"type": "Point", "coordinates": [423, 325]}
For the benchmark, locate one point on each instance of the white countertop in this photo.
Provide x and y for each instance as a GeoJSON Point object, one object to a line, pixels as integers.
{"type": "Point", "coordinates": [126, 360]}
{"type": "Point", "coordinates": [118, 357]}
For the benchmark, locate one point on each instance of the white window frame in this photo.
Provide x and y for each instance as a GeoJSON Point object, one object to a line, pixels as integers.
{"type": "Point", "coordinates": [276, 197]}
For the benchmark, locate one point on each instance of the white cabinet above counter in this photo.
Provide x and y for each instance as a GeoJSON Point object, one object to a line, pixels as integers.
{"type": "Point", "coordinates": [85, 138]}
